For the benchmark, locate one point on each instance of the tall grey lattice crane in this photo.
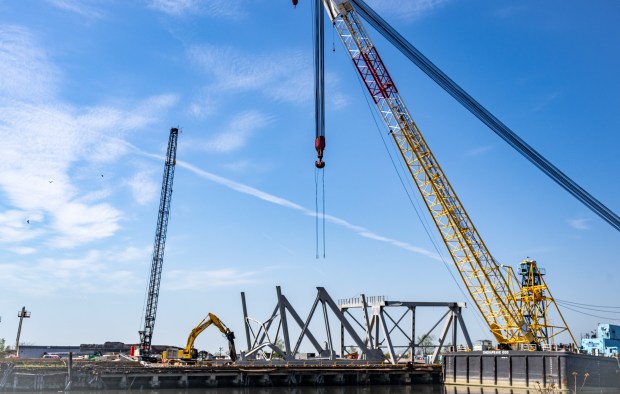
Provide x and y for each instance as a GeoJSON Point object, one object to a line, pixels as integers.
{"type": "Point", "coordinates": [146, 335]}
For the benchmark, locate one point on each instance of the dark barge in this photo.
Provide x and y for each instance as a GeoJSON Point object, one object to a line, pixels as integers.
{"type": "Point", "coordinates": [560, 371]}
{"type": "Point", "coordinates": [41, 375]}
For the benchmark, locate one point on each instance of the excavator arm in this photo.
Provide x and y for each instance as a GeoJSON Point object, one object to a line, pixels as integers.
{"type": "Point", "coordinates": [232, 351]}
{"type": "Point", "coordinates": [189, 348]}
{"type": "Point", "coordinates": [190, 353]}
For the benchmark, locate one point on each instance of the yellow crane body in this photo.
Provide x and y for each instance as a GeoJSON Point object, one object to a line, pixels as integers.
{"type": "Point", "coordinates": [481, 274]}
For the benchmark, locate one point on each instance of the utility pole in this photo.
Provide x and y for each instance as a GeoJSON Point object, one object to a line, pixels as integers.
{"type": "Point", "coordinates": [21, 314]}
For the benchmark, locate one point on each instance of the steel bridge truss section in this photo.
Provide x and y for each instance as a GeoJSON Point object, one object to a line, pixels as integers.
{"type": "Point", "coordinates": [382, 327]}
{"type": "Point", "coordinates": [376, 338]}
{"type": "Point", "coordinates": [273, 334]}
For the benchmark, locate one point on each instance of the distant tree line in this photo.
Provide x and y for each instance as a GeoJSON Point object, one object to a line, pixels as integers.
{"type": "Point", "coordinates": [3, 348]}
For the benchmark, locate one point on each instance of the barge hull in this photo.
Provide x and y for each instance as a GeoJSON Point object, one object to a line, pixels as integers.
{"type": "Point", "coordinates": [562, 371]}
{"type": "Point", "coordinates": [44, 375]}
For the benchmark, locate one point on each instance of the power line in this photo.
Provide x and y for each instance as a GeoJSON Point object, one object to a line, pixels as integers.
{"type": "Point", "coordinates": [577, 304]}
{"type": "Point", "coordinates": [597, 306]}
{"type": "Point", "coordinates": [589, 314]}
{"type": "Point", "coordinates": [589, 309]}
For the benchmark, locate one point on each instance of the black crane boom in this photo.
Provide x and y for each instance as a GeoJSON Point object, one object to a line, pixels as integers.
{"type": "Point", "coordinates": [158, 249]}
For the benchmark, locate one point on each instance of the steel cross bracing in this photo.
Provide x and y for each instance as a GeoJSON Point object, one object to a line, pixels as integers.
{"type": "Point", "coordinates": [146, 335]}
{"type": "Point", "coordinates": [265, 339]}
{"type": "Point", "coordinates": [379, 334]}
{"type": "Point", "coordinates": [381, 327]}
{"type": "Point", "coordinates": [479, 271]}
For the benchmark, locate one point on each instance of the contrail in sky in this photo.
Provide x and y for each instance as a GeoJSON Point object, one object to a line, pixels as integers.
{"type": "Point", "coordinates": [239, 187]}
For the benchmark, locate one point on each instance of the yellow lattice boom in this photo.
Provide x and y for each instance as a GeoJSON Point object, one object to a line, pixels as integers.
{"type": "Point", "coordinates": [514, 317]}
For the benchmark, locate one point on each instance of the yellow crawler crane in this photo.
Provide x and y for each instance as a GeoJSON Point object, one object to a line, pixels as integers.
{"type": "Point", "coordinates": [513, 316]}
{"type": "Point", "coordinates": [190, 353]}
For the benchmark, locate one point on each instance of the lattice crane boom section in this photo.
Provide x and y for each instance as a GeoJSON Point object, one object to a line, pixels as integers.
{"type": "Point", "coordinates": [146, 335]}
{"type": "Point", "coordinates": [479, 271]}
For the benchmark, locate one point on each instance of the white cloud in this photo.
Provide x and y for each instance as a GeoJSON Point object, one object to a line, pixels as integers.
{"type": "Point", "coordinates": [143, 186]}
{"type": "Point", "coordinates": [77, 223]}
{"type": "Point", "coordinates": [18, 226]}
{"type": "Point", "coordinates": [203, 107]}
{"type": "Point", "coordinates": [25, 72]}
{"type": "Point", "coordinates": [45, 141]}
{"type": "Point", "coordinates": [238, 132]}
{"type": "Point", "coordinates": [228, 9]}
{"type": "Point", "coordinates": [235, 135]}
{"type": "Point", "coordinates": [94, 272]}
{"type": "Point", "coordinates": [409, 10]}
{"type": "Point", "coordinates": [579, 224]}
{"type": "Point", "coordinates": [285, 76]}
{"type": "Point", "coordinates": [23, 250]}
{"type": "Point", "coordinates": [83, 8]}
{"type": "Point", "coordinates": [133, 254]}
{"type": "Point", "coordinates": [41, 146]}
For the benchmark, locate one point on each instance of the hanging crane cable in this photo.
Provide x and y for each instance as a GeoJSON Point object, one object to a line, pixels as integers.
{"type": "Point", "coordinates": [319, 82]}
{"type": "Point", "coordinates": [503, 131]}
{"type": "Point", "coordinates": [319, 116]}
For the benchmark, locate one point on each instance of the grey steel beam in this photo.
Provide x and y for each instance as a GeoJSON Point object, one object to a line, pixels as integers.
{"type": "Point", "coordinates": [325, 298]}
{"type": "Point", "coordinates": [287, 343]}
{"type": "Point", "coordinates": [412, 344]}
{"type": "Point", "coordinates": [266, 327]}
{"type": "Point", "coordinates": [442, 337]}
{"type": "Point", "coordinates": [246, 323]}
{"type": "Point", "coordinates": [300, 323]}
{"type": "Point", "coordinates": [328, 332]}
{"type": "Point", "coordinates": [387, 336]}
{"type": "Point", "coordinates": [305, 330]}
{"type": "Point", "coordinates": [384, 302]}
{"type": "Point", "coordinates": [464, 329]}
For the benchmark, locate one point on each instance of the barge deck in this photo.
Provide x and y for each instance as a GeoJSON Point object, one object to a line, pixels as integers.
{"type": "Point", "coordinates": [35, 375]}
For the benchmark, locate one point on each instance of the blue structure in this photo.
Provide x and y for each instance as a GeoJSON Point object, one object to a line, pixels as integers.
{"type": "Point", "coordinates": [605, 342]}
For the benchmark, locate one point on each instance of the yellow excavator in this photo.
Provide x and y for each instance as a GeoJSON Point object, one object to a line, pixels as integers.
{"type": "Point", "coordinates": [189, 355]}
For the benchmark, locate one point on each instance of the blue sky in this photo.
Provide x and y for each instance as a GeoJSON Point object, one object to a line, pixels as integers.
{"type": "Point", "coordinates": [90, 89]}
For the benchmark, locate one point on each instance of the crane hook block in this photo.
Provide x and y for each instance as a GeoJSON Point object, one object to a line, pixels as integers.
{"type": "Point", "coordinates": [295, 3]}
{"type": "Point", "coordinates": [319, 145]}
